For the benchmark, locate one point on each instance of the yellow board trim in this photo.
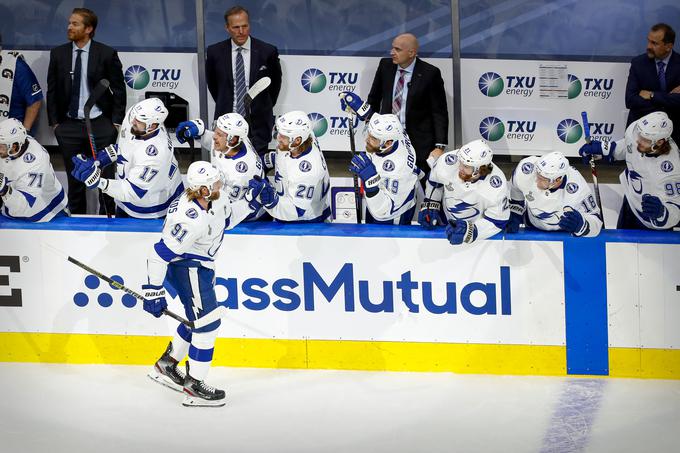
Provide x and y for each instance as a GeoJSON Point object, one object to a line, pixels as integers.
{"type": "Point", "coordinates": [314, 354]}
{"type": "Point", "coordinates": [644, 363]}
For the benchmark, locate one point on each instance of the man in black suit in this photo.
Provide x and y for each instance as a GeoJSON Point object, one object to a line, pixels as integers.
{"type": "Point", "coordinates": [234, 65]}
{"type": "Point", "coordinates": [654, 78]}
{"type": "Point", "coordinates": [413, 90]}
{"type": "Point", "coordinates": [74, 71]}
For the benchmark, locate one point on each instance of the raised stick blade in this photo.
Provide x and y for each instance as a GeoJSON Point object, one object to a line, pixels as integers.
{"type": "Point", "coordinates": [98, 91]}
{"type": "Point", "coordinates": [257, 88]}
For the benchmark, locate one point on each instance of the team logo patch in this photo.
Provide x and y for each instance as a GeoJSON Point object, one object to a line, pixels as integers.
{"type": "Point", "coordinates": [496, 182]}
{"type": "Point", "coordinates": [527, 168]}
{"type": "Point", "coordinates": [305, 166]}
{"type": "Point", "coordinates": [450, 159]}
{"type": "Point", "coordinates": [28, 158]}
{"type": "Point", "coordinates": [152, 150]}
{"type": "Point", "coordinates": [388, 165]}
{"type": "Point", "coordinates": [241, 167]}
{"type": "Point", "coordinates": [572, 187]}
{"type": "Point", "coordinates": [191, 213]}
{"type": "Point", "coordinates": [530, 196]}
{"type": "Point", "coordinates": [666, 166]}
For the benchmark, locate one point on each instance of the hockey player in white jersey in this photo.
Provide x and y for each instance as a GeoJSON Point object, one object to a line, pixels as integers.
{"type": "Point", "coordinates": [28, 186]}
{"type": "Point", "coordinates": [548, 194]}
{"type": "Point", "coordinates": [301, 180]}
{"type": "Point", "coordinates": [147, 175]}
{"type": "Point", "coordinates": [651, 180]}
{"type": "Point", "coordinates": [192, 235]}
{"type": "Point", "coordinates": [472, 192]}
{"type": "Point", "coordinates": [388, 171]}
{"type": "Point", "coordinates": [230, 151]}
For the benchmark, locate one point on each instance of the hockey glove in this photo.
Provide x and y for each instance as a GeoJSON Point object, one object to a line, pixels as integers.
{"type": "Point", "coordinates": [362, 166]}
{"type": "Point", "coordinates": [108, 155]}
{"type": "Point", "coordinates": [429, 216]}
{"type": "Point", "coordinates": [154, 299]}
{"type": "Point", "coordinates": [573, 222]}
{"type": "Point", "coordinates": [597, 148]}
{"type": "Point", "coordinates": [261, 190]}
{"type": "Point", "coordinates": [4, 185]}
{"type": "Point", "coordinates": [653, 207]}
{"type": "Point", "coordinates": [461, 231]}
{"type": "Point", "coordinates": [189, 129]}
{"type": "Point", "coordinates": [269, 160]}
{"type": "Point", "coordinates": [514, 222]}
{"type": "Point", "coordinates": [350, 102]}
{"type": "Point", "coordinates": [86, 171]}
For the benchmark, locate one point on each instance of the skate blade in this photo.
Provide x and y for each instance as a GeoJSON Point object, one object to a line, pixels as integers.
{"type": "Point", "coordinates": [164, 381]}
{"type": "Point", "coordinates": [193, 401]}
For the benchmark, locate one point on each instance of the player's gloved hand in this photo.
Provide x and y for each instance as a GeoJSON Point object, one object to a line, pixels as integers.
{"type": "Point", "coordinates": [4, 185]}
{"type": "Point", "coordinates": [461, 231]}
{"type": "Point", "coordinates": [154, 299]}
{"type": "Point", "coordinates": [514, 222]}
{"type": "Point", "coordinates": [653, 207]}
{"type": "Point", "coordinates": [362, 166]}
{"type": "Point", "coordinates": [597, 148]}
{"type": "Point", "coordinates": [108, 155]}
{"type": "Point", "coordinates": [350, 102]}
{"type": "Point", "coordinates": [261, 190]}
{"type": "Point", "coordinates": [429, 216]}
{"type": "Point", "coordinates": [86, 170]}
{"type": "Point", "coordinates": [572, 221]}
{"type": "Point", "coordinates": [189, 129]}
{"type": "Point", "coordinates": [269, 160]}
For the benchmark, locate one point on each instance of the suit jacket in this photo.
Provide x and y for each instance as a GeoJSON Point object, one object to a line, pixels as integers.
{"type": "Point", "coordinates": [103, 63]}
{"type": "Point", "coordinates": [643, 76]}
{"type": "Point", "coordinates": [427, 117]}
{"type": "Point", "coordinates": [264, 61]}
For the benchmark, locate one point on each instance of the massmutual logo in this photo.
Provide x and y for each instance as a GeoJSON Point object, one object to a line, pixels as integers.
{"type": "Point", "coordinates": [314, 80]}
{"type": "Point", "coordinates": [319, 123]}
{"type": "Point", "coordinates": [493, 129]}
{"type": "Point", "coordinates": [592, 87]}
{"type": "Point", "coordinates": [569, 131]}
{"type": "Point", "coordinates": [492, 84]}
{"type": "Point", "coordinates": [138, 77]}
{"type": "Point", "coordinates": [102, 293]}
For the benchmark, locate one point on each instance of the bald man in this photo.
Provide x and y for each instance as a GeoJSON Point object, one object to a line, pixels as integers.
{"type": "Point", "coordinates": [414, 91]}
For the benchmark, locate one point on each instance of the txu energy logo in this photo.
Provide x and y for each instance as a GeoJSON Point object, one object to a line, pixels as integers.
{"type": "Point", "coordinates": [574, 86]}
{"type": "Point", "coordinates": [137, 77]}
{"type": "Point", "coordinates": [104, 299]}
{"type": "Point", "coordinates": [592, 87]}
{"type": "Point", "coordinates": [490, 84]}
{"type": "Point", "coordinates": [602, 132]}
{"type": "Point", "coordinates": [340, 125]}
{"type": "Point", "coordinates": [319, 123]}
{"type": "Point", "coordinates": [492, 128]}
{"type": "Point", "coordinates": [569, 131]}
{"type": "Point", "coordinates": [313, 80]}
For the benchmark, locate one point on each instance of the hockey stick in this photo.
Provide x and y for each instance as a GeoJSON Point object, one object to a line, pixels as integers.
{"type": "Point", "coordinates": [211, 317]}
{"type": "Point", "coordinates": [593, 169]}
{"type": "Point", "coordinates": [97, 93]}
{"type": "Point", "coordinates": [257, 88]}
{"type": "Point", "coordinates": [355, 177]}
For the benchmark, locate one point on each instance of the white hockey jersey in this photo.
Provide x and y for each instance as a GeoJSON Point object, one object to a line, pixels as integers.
{"type": "Point", "coordinates": [653, 175]}
{"type": "Point", "coordinates": [147, 174]}
{"type": "Point", "coordinates": [302, 184]}
{"type": "Point", "coordinates": [544, 208]}
{"type": "Point", "coordinates": [34, 193]}
{"type": "Point", "coordinates": [483, 202]}
{"type": "Point", "coordinates": [399, 186]}
{"type": "Point", "coordinates": [193, 233]}
{"type": "Point", "coordinates": [238, 170]}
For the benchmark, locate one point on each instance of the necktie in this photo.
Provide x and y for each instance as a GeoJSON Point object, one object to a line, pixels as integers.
{"type": "Point", "coordinates": [74, 104]}
{"type": "Point", "coordinates": [240, 82]}
{"type": "Point", "coordinates": [398, 92]}
{"type": "Point", "coordinates": [662, 75]}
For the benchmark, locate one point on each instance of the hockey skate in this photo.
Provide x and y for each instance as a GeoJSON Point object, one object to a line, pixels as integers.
{"type": "Point", "coordinates": [166, 372]}
{"type": "Point", "coordinates": [198, 393]}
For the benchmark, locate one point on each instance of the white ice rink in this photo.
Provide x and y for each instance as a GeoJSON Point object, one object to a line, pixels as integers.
{"type": "Point", "coordinates": [97, 408]}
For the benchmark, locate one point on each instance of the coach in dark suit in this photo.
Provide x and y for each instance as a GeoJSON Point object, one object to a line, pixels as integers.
{"type": "Point", "coordinates": [234, 65]}
{"type": "Point", "coordinates": [654, 79]}
{"type": "Point", "coordinates": [413, 90]}
{"type": "Point", "coordinates": [75, 70]}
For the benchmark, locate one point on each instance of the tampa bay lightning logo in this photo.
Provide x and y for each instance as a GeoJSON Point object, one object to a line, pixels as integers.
{"type": "Point", "coordinates": [305, 166]}
{"type": "Point", "coordinates": [463, 211]}
{"type": "Point", "coordinates": [572, 187]}
{"type": "Point", "coordinates": [666, 166]}
{"type": "Point", "coordinates": [450, 159]}
{"type": "Point", "coordinates": [28, 158]}
{"type": "Point", "coordinates": [388, 165]}
{"type": "Point", "coordinates": [496, 182]}
{"type": "Point", "coordinates": [527, 168]}
{"type": "Point", "coordinates": [191, 213]}
{"type": "Point", "coordinates": [548, 217]}
{"type": "Point", "coordinates": [635, 181]}
{"type": "Point", "coordinates": [241, 167]}
{"type": "Point", "coordinates": [151, 150]}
